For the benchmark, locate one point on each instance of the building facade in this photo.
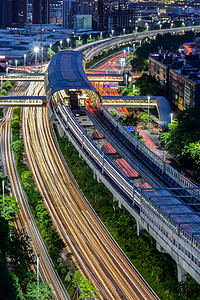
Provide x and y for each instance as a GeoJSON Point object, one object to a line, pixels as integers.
{"type": "Point", "coordinates": [13, 13]}
{"type": "Point", "coordinates": [182, 84]}
{"type": "Point", "coordinates": [41, 11]}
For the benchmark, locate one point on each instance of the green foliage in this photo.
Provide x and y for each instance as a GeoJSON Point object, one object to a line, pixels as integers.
{"type": "Point", "coordinates": [50, 53]}
{"type": "Point", "coordinates": [130, 120]}
{"type": "Point", "coordinates": [11, 208]}
{"type": "Point", "coordinates": [147, 85]}
{"type": "Point", "coordinates": [4, 92]}
{"type": "Point", "coordinates": [7, 85]}
{"type": "Point", "coordinates": [183, 139]}
{"type": "Point", "coordinates": [44, 292]}
{"type": "Point", "coordinates": [9, 289]}
{"type": "Point", "coordinates": [144, 117]}
{"type": "Point", "coordinates": [86, 287]}
{"type": "Point", "coordinates": [167, 41]}
{"type": "Point", "coordinates": [17, 146]}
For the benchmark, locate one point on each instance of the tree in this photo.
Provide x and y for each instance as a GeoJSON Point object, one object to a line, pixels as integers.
{"type": "Point", "coordinates": [86, 287]}
{"type": "Point", "coordinates": [8, 286]}
{"type": "Point", "coordinates": [17, 146]}
{"type": "Point", "coordinates": [49, 54]}
{"type": "Point", "coordinates": [45, 292]}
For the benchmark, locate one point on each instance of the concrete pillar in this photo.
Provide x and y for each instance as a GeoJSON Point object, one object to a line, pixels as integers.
{"type": "Point", "coordinates": [140, 229]}
{"type": "Point", "coordinates": [182, 274]}
{"type": "Point", "coordinates": [160, 248]}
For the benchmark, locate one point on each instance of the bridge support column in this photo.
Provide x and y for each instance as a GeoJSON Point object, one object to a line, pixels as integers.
{"type": "Point", "coordinates": [182, 274]}
{"type": "Point", "coordinates": [140, 229]}
{"type": "Point", "coordinates": [160, 248]}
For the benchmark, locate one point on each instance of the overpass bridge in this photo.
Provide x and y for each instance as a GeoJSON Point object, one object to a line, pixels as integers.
{"type": "Point", "coordinates": [27, 77]}
{"type": "Point", "coordinates": [170, 215]}
{"type": "Point", "coordinates": [23, 101]}
{"type": "Point", "coordinates": [161, 103]}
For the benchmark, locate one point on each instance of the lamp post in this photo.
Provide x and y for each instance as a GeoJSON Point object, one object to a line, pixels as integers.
{"type": "Point", "coordinates": [171, 115]}
{"type": "Point", "coordinates": [136, 28]}
{"type": "Point", "coordinates": [124, 30]}
{"type": "Point", "coordinates": [101, 35]}
{"type": "Point", "coordinates": [36, 50]}
{"type": "Point", "coordinates": [148, 98]}
{"type": "Point", "coordinates": [160, 26]}
{"type": "Point", "coordinates": [68, 42]}
{"type": "Point", "coordinates": [112, 32]}
{"type": "Point", "coordinates": [42, 50]}
{"type": "Point", "coordinates": [7, 71]}
{"type": "Point", "coordinates": [3, 185]}
{"type": "Point", "coordinates": [38, 256]}
{"type": "Point", "coordinates": [50, 46]}
{"type": "Point", "coordinates": [60, 44]}
{"type": "Point", "coordinates": [24, 61]}
{"type": "Point", "coordinates": [16, 61]}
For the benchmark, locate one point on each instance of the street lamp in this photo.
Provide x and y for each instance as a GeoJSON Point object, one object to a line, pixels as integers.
{"type": "Point", "coordinates": [7, 71]}
{"type": "Point", "coordinates": [36, 50]}
{"type": "Point", "coordinates": [38, 256]}
{"type": "Point", "coordinates": [50, 46]}
{"type": "Point", "coordinates": [24, 61]}
{"type": "Point", "coordinates": [42, 54]}
{"type": "Point", "coordinates": [60, 44]}
{"type": "Point", "coordinates": [3, 185]}
{"type": "Point", "coordinates": [68, 42]}
{"type": "Point", "coordinates": [124, 30]}
{"type": "Point", "coordinates": [148, 98]}
{"type": "Point", "coordinates": [136, 28]}
{"type": "Point", "coordinates": [171, 115]}
{"type": "Point", "coordinates": [101, 35]}
{"type": "Point", "coordinates": [112, 32]}
{"type": "Point", "coordinates": [16, 61]}
{"type": "Point", "coordinates": [160, 26]}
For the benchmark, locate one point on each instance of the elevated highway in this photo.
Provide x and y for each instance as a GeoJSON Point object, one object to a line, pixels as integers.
{"type": "Point", "coordinates": [94, 48]}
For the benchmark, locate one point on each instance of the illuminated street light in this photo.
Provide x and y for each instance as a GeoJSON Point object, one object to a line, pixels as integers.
{"type": "Point", "coordinates": [24, 61]}
{"type": "Point", "coordinates": [136, 28]}
{"type": "Point", "coordinates": [42, 54]}
{"type": "Point", "coordinates": [124, 30]}
{"type": "Point", "coordinates": [60, 44]}
{"type": "Point", "coordinates": [50, 46]}
{"type": "Point", "coordinates": [68, 42]}
{"type": "Point", "coordinates": [7, 71]}
{"type": "Point", "coordinates": [171, 115]}
{"type": "Point", "coordinates": [148, 98]}
{"type": "Point", "coordinates": [36, 50]}
{"type": "Point", "coordinates": [16, 61]}
{"type": "Point", "coordinates": [112, 32]}
{"type": "Point", "coordinates": [101, 35]}
{"type": "Point", "coordinates": [160, 26]}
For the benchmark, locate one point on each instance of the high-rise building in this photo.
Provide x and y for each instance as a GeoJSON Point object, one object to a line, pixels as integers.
{"type": "Point", "coordinates": [68, 10]}
{"type": "Point", "coordinates": [13, 13]}
{"type": "Point", "coordinates": [89, 7]}
{"type": "Point", "coordinates": [41, 11]}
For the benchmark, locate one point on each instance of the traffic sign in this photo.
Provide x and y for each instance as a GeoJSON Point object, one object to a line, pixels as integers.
{"type": "Point", "coordinates": [114, 86]}
{"type": "Point", "coordinates": [129, 128]}
{"type": "Point", "coordinates": [106, 86]}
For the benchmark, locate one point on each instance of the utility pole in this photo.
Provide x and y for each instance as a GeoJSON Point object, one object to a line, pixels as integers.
{"type": "Point", "coordinates": [3, 184]}
{"type": "Point", "coordinates": [38, 256]}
